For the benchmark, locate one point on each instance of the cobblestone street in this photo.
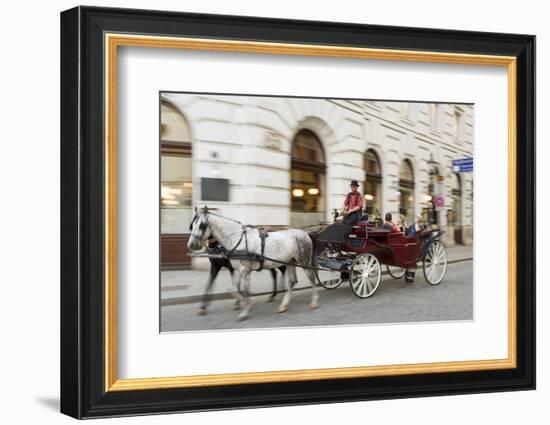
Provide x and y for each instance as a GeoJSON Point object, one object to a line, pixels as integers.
{"type": "Point", "coordinates": [394, 302]}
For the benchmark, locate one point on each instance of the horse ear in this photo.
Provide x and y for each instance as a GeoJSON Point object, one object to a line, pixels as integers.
{"type": "Point", "coordinates": [205, 209]}
{"type": "Point", "coordinates": [196, 209]}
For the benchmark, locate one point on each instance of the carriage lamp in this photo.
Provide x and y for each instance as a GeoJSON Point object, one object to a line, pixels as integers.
{"type": "Point", "coordinates": [313, 191]}
{"type": "Point", "coordinates": [297, 193]}
{"type": "Point", "coordinates": [369, 197]}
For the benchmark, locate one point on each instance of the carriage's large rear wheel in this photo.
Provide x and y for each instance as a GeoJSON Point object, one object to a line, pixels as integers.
{"type": "Point", "coordinates": [365, 275]}
{"type": "Point", "coordinates": [434, 263]}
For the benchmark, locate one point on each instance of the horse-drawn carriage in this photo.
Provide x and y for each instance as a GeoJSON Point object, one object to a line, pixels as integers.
{"type": "Point", "coordinates": [325, 256]}
{"type": "Point", "coordinates": [359, 257]}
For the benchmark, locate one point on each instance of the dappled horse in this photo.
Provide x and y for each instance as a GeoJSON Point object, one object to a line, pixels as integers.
{"type": "Point", "coordinates": [257, 251]}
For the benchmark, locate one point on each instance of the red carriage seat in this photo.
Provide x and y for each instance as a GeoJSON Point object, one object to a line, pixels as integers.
{"type": "Point", "coordinates": [396, 237]}
{"type": "Point", "coordinates": [359, 229]}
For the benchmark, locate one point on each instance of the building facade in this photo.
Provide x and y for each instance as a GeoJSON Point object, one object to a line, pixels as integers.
{"type": "Point", "coordinates": [288, 161]}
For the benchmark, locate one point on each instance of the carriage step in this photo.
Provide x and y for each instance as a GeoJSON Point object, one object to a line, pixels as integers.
{"type": "Point", "coordinates": [334, 264]}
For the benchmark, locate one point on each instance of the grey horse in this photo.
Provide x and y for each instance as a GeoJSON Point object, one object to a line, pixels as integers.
{"type": "Point", "coordinates": [291, 247]}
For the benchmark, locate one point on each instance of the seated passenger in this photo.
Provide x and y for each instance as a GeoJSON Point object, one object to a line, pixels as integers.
{"type": "Point", "coordinates": [388, 224]}
{"type": "Point", "coordinates": [417, 227]}
{"type": "Point", "coordinates": [401, 223]}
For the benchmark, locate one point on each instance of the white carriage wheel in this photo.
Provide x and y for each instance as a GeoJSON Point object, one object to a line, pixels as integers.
{"type": "Point", "coordinates": [329, 279]}
{"type": "Point", "coordinates": [396, 272]}
{"type": "Point", "coordinates": [365, 275]}
{"type": "Point", "coordinates": [330, 282]}
{"type": "Point", "coordinates": [434, 263]}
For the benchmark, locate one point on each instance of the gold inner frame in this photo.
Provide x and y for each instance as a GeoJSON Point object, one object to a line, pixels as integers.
{"type": "Point", "coordinates": [113, 41]}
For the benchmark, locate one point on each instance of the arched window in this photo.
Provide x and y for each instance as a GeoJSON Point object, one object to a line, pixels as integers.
{"type": "Point", "coordinates": [406, 191]}
{"type": "Point", "coordinates": [372, 188]}
{"type": "Point", "coordinates": [173, 126]}
{"type": "Point", "coordinates": [307, 181]}
{"type": "Point", "coordinates": [176, 186]}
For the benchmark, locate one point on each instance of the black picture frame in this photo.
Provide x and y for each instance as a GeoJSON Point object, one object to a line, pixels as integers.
{"type": "Point", "coordinates": [83, 171]}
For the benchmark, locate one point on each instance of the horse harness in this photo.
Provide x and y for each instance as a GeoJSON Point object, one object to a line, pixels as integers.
{"type": "Point", "coordinates": [246, 254]}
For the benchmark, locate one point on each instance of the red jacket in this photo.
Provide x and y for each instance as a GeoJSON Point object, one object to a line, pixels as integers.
{"type": "Point", "coordinates": [354, 200]}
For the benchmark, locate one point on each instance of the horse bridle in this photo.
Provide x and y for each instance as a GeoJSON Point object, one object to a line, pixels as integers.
{"type": "Point", "coordinates": [204, 225]}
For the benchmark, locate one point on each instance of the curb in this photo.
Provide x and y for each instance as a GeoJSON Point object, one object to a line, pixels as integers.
{"type": "Point", "coordinates": [227, 295]}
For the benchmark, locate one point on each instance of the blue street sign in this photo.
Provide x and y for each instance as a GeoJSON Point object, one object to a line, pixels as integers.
{"type": "Point", "coordinates": [463, 165]}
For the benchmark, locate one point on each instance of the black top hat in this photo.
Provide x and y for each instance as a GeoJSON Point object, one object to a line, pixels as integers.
{"type": "Point", "coordinates": [354, 183]}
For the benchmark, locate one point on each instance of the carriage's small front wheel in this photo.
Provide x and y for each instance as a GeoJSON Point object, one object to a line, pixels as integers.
{"type": "Point", "coordinates": [396, 272]}
{"type": "Point", "coordinates": [330, 279]}
{"type": "Point", "coordinates": [434, 263]}
{"type": "Point", "coordinates": [365, 275]}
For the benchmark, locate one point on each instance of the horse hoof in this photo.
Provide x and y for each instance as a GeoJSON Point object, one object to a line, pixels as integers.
{"type": "Point", "coordinates": [281, 309]}
{"type": "Point", "coordinates": [201, 311]}
{"type": "Point", "coordinates": [271, 299]}
{"type": "Point", "coordinates": [242, 316]}
{"type": "Point", "coordinates": [313, 306]}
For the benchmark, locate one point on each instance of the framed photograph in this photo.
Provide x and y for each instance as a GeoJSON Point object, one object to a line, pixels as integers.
{"type": "Point", "coordinates": [262, 212]}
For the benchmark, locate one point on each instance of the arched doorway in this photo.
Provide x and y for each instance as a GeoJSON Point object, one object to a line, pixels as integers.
{"type": "Point", "coordinates": [307, 180]}
{"type": "Point", "coordinates": [456, 219]}
{"type": "Point", "coordinates": [372, 187]}
{"type": "Point", "coordinates": [176, 187]}
{"type": "Point", "coordinates": [406, 191]}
